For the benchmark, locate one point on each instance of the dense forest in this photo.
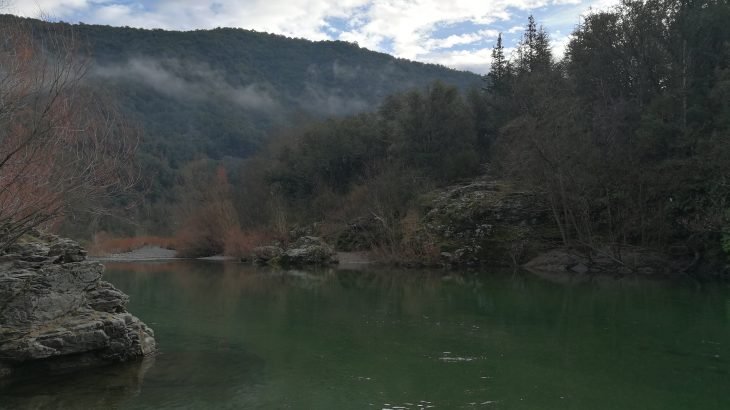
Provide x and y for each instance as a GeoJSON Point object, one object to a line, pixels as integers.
{"type": "Point", "coordinates": [627, 137]}
{"type": "Point", "coordinates": [219, 94]}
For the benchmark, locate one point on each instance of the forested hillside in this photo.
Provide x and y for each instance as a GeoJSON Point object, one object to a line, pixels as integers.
{"type": "Point", "coordinates": [219, 92]}
{"type": "Point", "coordinates": [215, 94]}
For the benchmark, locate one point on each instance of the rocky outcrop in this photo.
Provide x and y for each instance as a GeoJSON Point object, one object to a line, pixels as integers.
{"type": "Point", "coordinates": [488, 222]}
{"type": "Point", "coordinates": [309, 250]}
{"type": "Point", "coordinates": [54, 306]}
{"type": "Point", "coordinates": [305, 251]}
{"type": "Point", "coordinates": [492, 222]}
{"type": "Point", "coordinates": [264, 255]}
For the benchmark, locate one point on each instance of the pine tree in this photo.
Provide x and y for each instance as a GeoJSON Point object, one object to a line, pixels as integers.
{"type": "Point", "coordinates": [525, 51]}
{"type": "Point", "coordinates": [497, 76]}
{"type": "Point", "coordinates": [541, 55]}
{"type": "Point", "coordinates": [533, 53]}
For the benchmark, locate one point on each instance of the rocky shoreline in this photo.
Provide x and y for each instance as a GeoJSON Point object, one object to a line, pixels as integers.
{"type": "Point", "coordinates": [484, 222]}
{"type": "Point", "coordinates": [56, 309]}
{"type": "Point", "coordinates": [487, 222]}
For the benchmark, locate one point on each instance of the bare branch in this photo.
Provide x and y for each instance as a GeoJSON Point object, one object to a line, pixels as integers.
{"type": "Point", "coordinates": [61, 146]}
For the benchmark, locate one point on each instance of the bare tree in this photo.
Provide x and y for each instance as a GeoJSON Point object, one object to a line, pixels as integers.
{"type": "Point", "coordinates": [60, 145]}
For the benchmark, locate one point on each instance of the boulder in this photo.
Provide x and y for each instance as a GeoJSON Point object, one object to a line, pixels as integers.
{"type": "Point", "coordinates": [263, 255]}
{"type": "Point", "coordinates": [309, 250]}
{"type": "Point", "coordinates": [53, 304]}
{"type": "Point", "coordinates": [487, 221]}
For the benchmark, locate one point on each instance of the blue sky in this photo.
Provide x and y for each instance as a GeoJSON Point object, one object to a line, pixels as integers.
{"type": "Point", "coordinates": [455, 33]}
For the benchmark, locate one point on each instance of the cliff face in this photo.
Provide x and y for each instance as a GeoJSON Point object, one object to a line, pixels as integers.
{"type": "Point", "coordinates": [54, 307]}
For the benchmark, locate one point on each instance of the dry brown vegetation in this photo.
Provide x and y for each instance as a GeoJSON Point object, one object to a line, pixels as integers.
{"type": "Point", "coordinates": [61, 146]}
{"type": "Point", "coordinates": [240, 244]}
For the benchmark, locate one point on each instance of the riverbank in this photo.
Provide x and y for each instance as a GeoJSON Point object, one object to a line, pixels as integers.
{"type": "Point", "coordinates": [346, 260]}
{"type": "Point", "coordinates": [141, 254]}
{"type": "Point", "coordinates": [482, 222]}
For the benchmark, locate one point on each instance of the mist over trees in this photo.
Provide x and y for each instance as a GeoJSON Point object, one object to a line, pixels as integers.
{"type": "Point", "coordinates": [219, 94]}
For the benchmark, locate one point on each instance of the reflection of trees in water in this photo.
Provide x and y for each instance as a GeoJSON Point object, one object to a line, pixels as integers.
{"type": "Point", "coordinates": [414, 292]}
{"type": "Point", "coordinates": [202, 374]}
{"type": "Point", "coordinates": [80, 389]}
{"type": "Point", "coordinates": [221, 373]}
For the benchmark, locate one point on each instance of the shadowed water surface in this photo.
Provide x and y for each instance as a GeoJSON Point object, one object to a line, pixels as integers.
{"type": "Point", "coordinates": [233, 336]}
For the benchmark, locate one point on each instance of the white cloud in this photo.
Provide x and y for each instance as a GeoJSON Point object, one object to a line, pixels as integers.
{"type": "Point", "coordinates": [454, 40]}
{"type": "Point", "coordinates": [410, 25]}
{"type": "Point", "coordinates": [47, 8]}
{"type": "Point", "coordinates": [515, 29]}
{"type": "Point", "coordinates": [471, 60]}
{"type": "Point", "coordinates": [407, 29]}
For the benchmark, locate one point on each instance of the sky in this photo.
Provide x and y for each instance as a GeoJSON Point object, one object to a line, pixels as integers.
{"type": "Point", "coordinates": [455, 33]}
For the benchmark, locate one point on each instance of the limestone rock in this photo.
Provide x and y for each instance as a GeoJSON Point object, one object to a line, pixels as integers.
{"type": "Point", "coordinates": [66, 250]}
{"type": "Point", "coordinates": [53, 304]}
{"type": "Point", "coordinates": [309, 250]}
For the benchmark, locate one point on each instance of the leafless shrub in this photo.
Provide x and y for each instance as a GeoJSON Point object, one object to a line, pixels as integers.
{"type": "Point", "coordinates": [61, 146]}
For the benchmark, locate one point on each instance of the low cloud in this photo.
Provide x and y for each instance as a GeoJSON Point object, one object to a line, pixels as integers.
{"type": "Point", "coordinates": [330, 102]}
{"type": "Point", "coordinates": [190, 81]}
{"type": "Point", "coordinates": [323, 100]}
{"type": "Point", "coordinates": [185, 80]}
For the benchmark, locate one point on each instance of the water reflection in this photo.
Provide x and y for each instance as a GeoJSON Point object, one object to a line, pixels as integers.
{"type": "Point", "coordinates": [241, 337]}
{"type": "Point", "coordinates": [77, 390]}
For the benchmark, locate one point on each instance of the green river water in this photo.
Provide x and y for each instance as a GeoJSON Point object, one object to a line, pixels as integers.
{"type": "Point", "coordinates": [237, 337]}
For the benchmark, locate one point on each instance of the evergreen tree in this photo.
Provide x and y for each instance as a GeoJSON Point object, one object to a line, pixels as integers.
{"type": "Point", "coordinates": [533, 52]}
{"type": "Point", "coordinates": [525, 51]}
{"type": "Point", "coordinates": [497, 76]}
{"type": "Point", "coordinates": [541, 55]}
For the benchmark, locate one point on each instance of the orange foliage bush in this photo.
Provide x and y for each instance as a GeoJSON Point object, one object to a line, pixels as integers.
{"type": "Point", "coordinates": [204, 231]}
{"type": "Point", "coordinates": [207, 212]}
{"type": "Point", "coordinates": [104, 243]}
{"type": "Point", "coordinates": [240, 244]}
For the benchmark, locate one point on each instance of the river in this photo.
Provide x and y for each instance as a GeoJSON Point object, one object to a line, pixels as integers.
{"type": "Point", "coordinates": [233, 336]}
